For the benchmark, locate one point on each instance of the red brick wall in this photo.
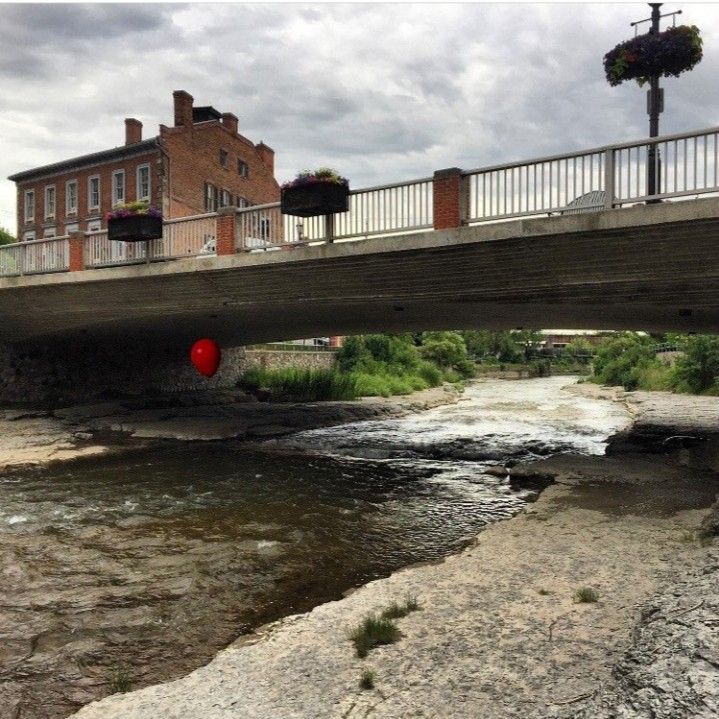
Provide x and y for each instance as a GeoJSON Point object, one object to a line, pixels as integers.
{"type": "Point", "coordinates": [83, 215]}
{"type": "Point", "coordinates": [449, 199]}
{"type": "Point", "coordinates": [194, 159]}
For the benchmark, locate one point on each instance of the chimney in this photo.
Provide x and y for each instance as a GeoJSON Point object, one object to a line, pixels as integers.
{"type": "Point", "coordinates": [230, 122]}
{"type": "Point", "coordinates": [183, 108]}
{"type": "Point", "coordinates": [267, 155]}
{"type": "Point", "coordinates": [133, 131]}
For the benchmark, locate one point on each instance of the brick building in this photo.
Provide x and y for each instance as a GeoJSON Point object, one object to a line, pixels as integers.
{"type": "Point", "coordinates": [198, 165]}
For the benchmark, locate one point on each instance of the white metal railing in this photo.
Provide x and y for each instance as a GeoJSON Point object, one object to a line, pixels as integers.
{"type": "Point", "coordinates": [384, 210]}
{"type": "Point", "coordinates": [182, 237]}
{"type": "Point", "coordinates": [686, 165]}
{"type": "Point", "coordinates": [50, 254]}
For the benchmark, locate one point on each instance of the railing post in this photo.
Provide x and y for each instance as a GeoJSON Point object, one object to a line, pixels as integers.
{"type": "Point", "coordinates": [76, 250]}
{"type": "Point", "coordinates": [450, 199]}
{"type": "Point", "coordinates": [226, 221]}
{"type": "Point", "coordinates": [609, 179]}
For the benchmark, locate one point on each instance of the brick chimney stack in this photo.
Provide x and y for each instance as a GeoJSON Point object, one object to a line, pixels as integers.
{"type": "Point", "coordinates": [267, 155]}
{"type": "Point", "coordinates": [183, 108]}
{"type": "Point", "coordinates": [133, 131]}
{"type": "Point", "coordinates": [230, 121]}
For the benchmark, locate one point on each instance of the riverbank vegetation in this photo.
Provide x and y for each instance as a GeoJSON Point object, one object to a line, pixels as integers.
{"type": "Point", "coordinates": [632, 361]}
{"type": "Point", "coordinates": [386, 365]}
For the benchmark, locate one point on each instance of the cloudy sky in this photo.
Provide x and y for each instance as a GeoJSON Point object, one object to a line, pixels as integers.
{"type": "Point", "coordinates": [381, 92]}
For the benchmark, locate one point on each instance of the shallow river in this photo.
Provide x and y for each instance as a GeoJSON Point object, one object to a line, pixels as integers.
{"type": "Point", "coordinates": [135, 568]}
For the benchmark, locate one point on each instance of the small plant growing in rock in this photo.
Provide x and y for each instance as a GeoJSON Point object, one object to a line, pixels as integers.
{"type": "Point", "coordinates": [543, 592]}
{"type": "Point", "coordinates": [586, 595]}
{"type": "Point", "coordinates": [397, 611]}
{"type": "Point", "coordinates": [120, 681]}
{"type": "Point", "coordinates": [367, 679]}
{"type": "Point", "coordinates": [373, 632]}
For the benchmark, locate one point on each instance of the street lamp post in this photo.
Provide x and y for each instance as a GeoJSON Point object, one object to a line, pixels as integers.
{"type": "Point", "coordinates": [655, 106]}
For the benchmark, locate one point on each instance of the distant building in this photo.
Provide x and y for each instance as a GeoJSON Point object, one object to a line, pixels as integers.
{"type": "Point", "coordinates": [199, 165]}
{"type": "Point", "coordinates": [559, 339]}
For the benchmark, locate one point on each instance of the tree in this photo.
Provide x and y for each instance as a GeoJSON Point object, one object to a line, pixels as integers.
{"type": "Point", "coordinates": [698, 369]}
{"type": "Point", "coordinates": [5, 237]}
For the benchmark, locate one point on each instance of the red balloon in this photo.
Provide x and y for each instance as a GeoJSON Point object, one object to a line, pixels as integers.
{"type": "Point", "coordinates": [206, 355]}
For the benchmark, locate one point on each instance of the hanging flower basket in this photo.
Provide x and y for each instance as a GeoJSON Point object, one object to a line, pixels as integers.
{"type": "Point", "coordinates": [322, 192]}
{"type": "Point", "coordinates": [666, 54]}
{"type": "Point", "coordinates": [134, 222]}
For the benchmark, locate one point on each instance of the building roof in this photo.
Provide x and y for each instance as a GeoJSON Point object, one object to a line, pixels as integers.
{"type": "Point", "coordinates": [93, 158]}
{"type": "Point", "coordinates": [205, 113]}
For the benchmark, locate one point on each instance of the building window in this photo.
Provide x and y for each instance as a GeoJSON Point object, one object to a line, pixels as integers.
{"type": "Point", "coordinates": [243, 168]}
{"type": "Point", "coordinates": [28, 236]}
{"type": "Point", "coordinates": [118, 187]}
{"type": "Point", "coordinates": [50, 201]}
{"type": "Point", "coordinates": [29, 205]}
{"type": "Point", "coordinates": [225, 198]}
{"type": "Point", "coordinates": [223, 158]}
{"type": "Point", "coordinates": [143, 182]}
{"type": "Point", "coordinates": [94, 226]}
{"type": "Point", "coordinates": [210, 198]}
{"type": "Point", "coordinates": [72, 227]}
{"type": "Point", "coordinates": [71, 197]}
{"type": "Point", "coordinates": [242, 202]}
{"type": "Point", "coordinates": [49, 232]}
{"type": "Point", "coordinates": [93, 193]}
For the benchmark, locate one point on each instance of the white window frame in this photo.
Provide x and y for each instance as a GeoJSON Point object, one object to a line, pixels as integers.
{"type": "Point", "coordinates": [69, 210]}
{"type": "Point", "coordinates": [48, 214]}
{"type": "Point", "coordinates": [30, 195]}
{"type": "Point", "coordinates": [115, 198]}
{"type": "Point", "coordinates": [94, 225]}
{"type": "Point", "coordinates": [72, 227]}
{"type": "Point", "coordinates": [90, 205]}
{"type": "Point", "coordinates": [243, 169]}
{"type": "Point", "coordinates": [138, 185]}
{"type": "Point", "coordinates": [28, 236]}
{"type": "Point", "coordinates": [49, 232]}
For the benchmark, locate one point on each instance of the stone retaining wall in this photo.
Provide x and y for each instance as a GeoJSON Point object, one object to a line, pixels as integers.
{"type": "Point", "coordinates": [70, 372]}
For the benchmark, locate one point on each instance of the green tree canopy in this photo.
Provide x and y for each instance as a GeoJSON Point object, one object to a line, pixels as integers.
{"type": "Point", "coordinates": [5, 237]}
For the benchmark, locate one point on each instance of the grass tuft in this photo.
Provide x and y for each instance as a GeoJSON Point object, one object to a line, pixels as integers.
{"type": "Point", "coordinates": [367, 679]}
{"type": "Point", "coordinates": [373, 632]}
{"type": "Point", "coordinates": [586, 595]}
{"type": "Point", "coordinates": [544, 592]}
{"type": "Point", "coordinates": [397, 611]}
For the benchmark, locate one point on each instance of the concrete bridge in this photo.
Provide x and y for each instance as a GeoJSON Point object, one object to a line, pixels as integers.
{"type": "Point", "coordinates": [571, 241]}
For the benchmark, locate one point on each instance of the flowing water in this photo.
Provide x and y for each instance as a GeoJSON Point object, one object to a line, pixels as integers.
{"type": "Point", "coordinates": [138, 567]}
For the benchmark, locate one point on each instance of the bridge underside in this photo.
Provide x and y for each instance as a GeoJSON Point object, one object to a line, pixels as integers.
{"type": "Point", "coordinates": [653, 268]}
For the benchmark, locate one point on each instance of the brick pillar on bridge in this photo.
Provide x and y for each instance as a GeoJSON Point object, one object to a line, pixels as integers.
{"type": "Point", "coordinates": [451, 198]}
{"type": "Point", "coordinates": [76, 244]}
{"type": "Point", "coordinates": [226, 219]}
